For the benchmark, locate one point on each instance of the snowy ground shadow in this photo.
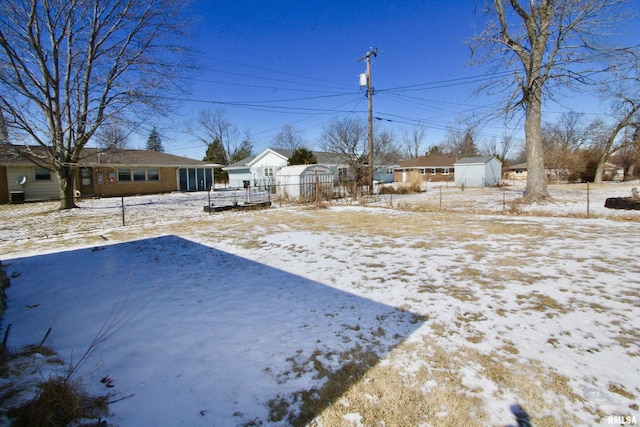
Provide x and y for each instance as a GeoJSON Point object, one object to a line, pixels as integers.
{"type": "Point", "coordinates": [197, 335]}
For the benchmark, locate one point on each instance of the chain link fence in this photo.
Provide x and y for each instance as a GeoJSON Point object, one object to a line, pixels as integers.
{"type": "Point", "coordinates": [42, 219]}
{"type": "Point", "coordinates": [573, 200]}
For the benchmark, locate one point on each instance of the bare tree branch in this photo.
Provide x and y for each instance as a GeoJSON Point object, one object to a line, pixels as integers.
{"type": "Point", "coordinates": [68, 66]}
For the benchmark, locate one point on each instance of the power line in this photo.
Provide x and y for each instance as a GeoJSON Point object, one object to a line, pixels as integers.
{"type": "Point", "coordinates": [256, 86]}
{"type": "Point", "coordinates": [285, 73]}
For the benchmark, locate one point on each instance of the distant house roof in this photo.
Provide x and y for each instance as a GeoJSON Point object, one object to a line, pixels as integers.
{"type": "Point", "coordinates": [242, 164]}
{"type": "Point", "coordinates": [479, 160]}
{"type": "Point", "coordinates": [518, 166]}
{"type": "Point", "coordinates": [322, 158]}
{"type": "Point", "coordinates": [93, 157]}
{"type": "Point", "coordinates": [428, 162]}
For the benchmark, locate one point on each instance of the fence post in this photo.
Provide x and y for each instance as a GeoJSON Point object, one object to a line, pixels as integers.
{"type": "Point", "coordinates": [209, 200]}
{"type": "Point", "coordinates": [440, 197]}
{"type": "Point", "coordinates": [504, 198]}
{"type": "Point", "coordinates": [317, 191]}
{"type": "Point", "coordinates": [587, 199]}
{"type": "Point", "coordinates": [122, 202]}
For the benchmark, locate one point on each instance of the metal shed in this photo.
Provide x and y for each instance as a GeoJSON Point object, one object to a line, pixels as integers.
{"type": "Point", "coordinates": [478, 171]}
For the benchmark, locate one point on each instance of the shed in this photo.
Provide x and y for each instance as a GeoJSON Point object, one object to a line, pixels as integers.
{"type": "Point", "coordinates": [301, 182]}
{"type": "Point", "coordinates": [478, 171]}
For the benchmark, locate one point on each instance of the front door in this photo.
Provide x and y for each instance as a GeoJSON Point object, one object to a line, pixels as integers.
{"type": "Point", "coordinates": [86, 182]}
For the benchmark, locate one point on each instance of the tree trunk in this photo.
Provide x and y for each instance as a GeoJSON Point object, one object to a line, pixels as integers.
{"type": "Point", "coordinates": [536, 189]}
{"type": "Point", "coordinates": [628, 172]}
{"type": "Point", "coordinates": [66, 179]}
{"type": "Point", "coordinates": [607, 150]}
{"type": "Point", "coordinates": [597, 178]}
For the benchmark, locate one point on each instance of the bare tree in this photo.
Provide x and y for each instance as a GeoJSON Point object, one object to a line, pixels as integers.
{"type": "Point", "coordinates": [624, 89]}
{"type": "Point", "coordinates": [563, 142]}
{"type": "Point", "coordinates": [541, 43]}
{"type": "Point", "coordinates": [348, 138]}
{"type": "Point", "coordinates": [502, 149]}
{"type": "Point", "coordinates": [112, 137]}
{"type": "Point", "coordinates": [413, 140]}
{"type": "Point", "coordinates": [4, 135]}
{"type": "Point", "coordinates": [215, 125]}
{"type": "Point", "coordinates": [461, 139]}
{"type": "Point", "coordinates": [629, 155]}
{"type": "Point", "coordinates": [288, 139]}
{"type": "Point", "coordinates": [67, 67]}
{"type": "Point", "coordinates": [385, 148]}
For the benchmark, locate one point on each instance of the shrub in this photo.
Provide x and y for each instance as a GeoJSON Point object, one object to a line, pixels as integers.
{"type": "Point", "coordinates": [59, 402]}
{"type": "Point", "coordinates": [411, 186]}
{"type": "Point", "coordinates": [56, 401]}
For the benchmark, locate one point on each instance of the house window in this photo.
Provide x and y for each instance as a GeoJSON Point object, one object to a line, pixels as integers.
{"type": "Point", "coordinates": [43, 174]}
{"type": "Point", "coordinates": [343, 174]}
{"type": "Point", "coordinates": [389, 171]}
{"type": "Point", "coordinates": [124, 175]}
{"type": "Point", "coordinates": [268, 172]}
{"type": "Point", "coordinates": [153, 174]}
{"type": "Point", "coordinates": [138, 174]}
{"type": "Point", "coordinates": [423, 171]}
{"type": "Point", "coordinates": [445, 171]}
{"type": "Point", "coordinates": [434, 171]}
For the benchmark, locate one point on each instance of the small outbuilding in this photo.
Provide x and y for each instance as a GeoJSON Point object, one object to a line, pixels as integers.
{"type": "Point", "coordinates": [478, 171]}
{"type": "Point", "coordinates": [302, 182]}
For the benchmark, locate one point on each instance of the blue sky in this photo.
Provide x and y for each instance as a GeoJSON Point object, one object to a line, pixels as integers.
{"type": "Point", "coordinates": [271, 63]}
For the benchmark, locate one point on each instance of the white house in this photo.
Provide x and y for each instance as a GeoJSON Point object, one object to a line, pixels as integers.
{"type": "Point", "coordinates": [258, 171]}
{"type": "Point", "coordinates": [478, 172]}
{"type": "Point", "coordinates": [302, 182]}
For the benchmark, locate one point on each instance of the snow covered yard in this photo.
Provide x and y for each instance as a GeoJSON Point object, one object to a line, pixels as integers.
{"type": "Point", "coordinates": [348, 315]}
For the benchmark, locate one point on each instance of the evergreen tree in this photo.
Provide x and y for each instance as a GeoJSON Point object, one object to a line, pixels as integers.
{"type": "Point", "coordinates": [242, 152]}
{"type": "Point", "coordinates": [153, 142]}
{"type": "Point", "coordinates": [216, 154]}
{"type": "Point", "coordinates": [468, 147]}
{"type": "Point", "coordinates": [302, 156]}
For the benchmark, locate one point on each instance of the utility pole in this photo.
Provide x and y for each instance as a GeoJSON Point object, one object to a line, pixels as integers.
{"type": "Point", "coordinates": [367, 58]}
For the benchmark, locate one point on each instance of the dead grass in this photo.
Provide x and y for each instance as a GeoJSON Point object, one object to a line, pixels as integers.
{"type": "Point", "coordinates": [619, 389]}
{"type": "Point", "coordinates": [542, 303]}
{"type": "Point", "coordinates": [435, 394]}
{"type": "Point", "coordinates": [299, 408]}
{"type": "Point", "coordinates": [412, 185]}
{"type": "Point", "coordinates": [386, 395]}
{"type": "Point", "coordinates": [45, 402]}
{"type": "Point", "coordinates": [59, 402]}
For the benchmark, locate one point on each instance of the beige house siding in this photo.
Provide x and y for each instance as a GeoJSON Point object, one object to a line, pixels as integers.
{"type": "Point", "coordinates": [101, 174]}
{"type": "Point", "coordinates": [49, 189]}
{"type": "Point", "coordinates": [33, 189]}
{"type": "Point", "coordinates": [433, 168]}
{"type": "Point", "coordinates": [426, 174]}
{"type": "Point", "coordinates": [108, 187]}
